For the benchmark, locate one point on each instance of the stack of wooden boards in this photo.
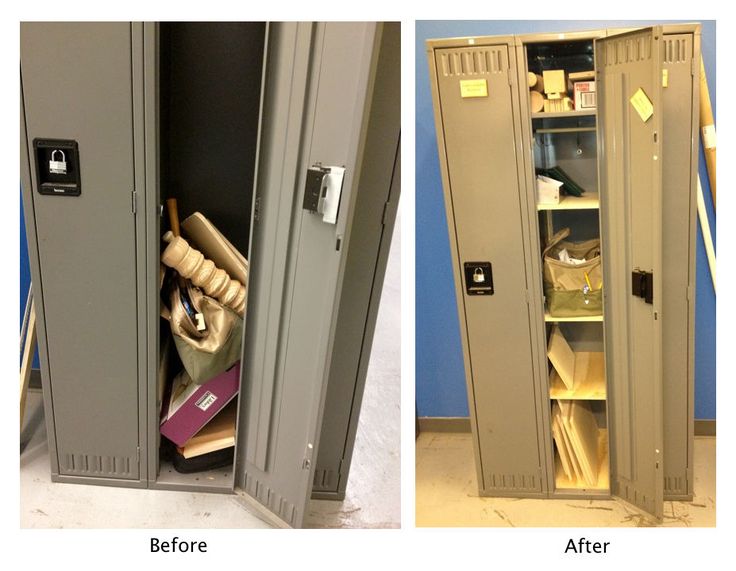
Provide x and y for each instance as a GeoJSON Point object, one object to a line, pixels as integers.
{"type": "Point", "coordinates": [548, 92]}
{"type": "Point", "coordinates": [575, 432]}
{"type": "Point", "coordinates": [576, 378]}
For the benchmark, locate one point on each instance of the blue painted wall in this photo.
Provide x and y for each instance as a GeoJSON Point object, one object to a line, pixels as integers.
{"type": "Point", "coordinates": [440, 376]}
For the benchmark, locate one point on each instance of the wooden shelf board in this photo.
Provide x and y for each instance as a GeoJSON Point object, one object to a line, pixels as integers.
{"type": "Point", "coordinates": [589, 201]}
{"type": "Point", "coordinates": [549, 318]}
{"type": "Point", "coordinates": [563, 482]}
{"type": "Point", "coordinates": [589, 382]}
{"type": "Point", "coordinates": [563, 114]}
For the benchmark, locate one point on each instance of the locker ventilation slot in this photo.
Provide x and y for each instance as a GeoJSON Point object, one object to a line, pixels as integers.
{"type": "Point", "coordinates": [625, 50]}
{"type": "Point", "coordinates": [273, 501]}
{"type": "Point", "coordinates": [674, 485]}
{"type": "Point", "coordinates": [677, 50]}
{"type": "Point", "coordinates": [325, 480]}
{"type": "Point", "coordinates": [99, 466]}
{"type": "Point", "coordinates": [635, 497]}
{"type": "Point", "coordinates": [471, 62]}
{"type": "Point", "coordinates": [512, 482]}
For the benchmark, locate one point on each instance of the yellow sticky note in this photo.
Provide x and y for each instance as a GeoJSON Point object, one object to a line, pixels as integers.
{"type": "Point", "coordinates": [642, 104]}
{"type": "Point", "coordinates": [473, 88]}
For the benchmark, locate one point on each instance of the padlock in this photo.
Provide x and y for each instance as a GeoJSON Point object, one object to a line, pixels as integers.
{"type": "Point", "coordinates": [478, 276]}
{"type": "Point", "coordinates": [57, 167]}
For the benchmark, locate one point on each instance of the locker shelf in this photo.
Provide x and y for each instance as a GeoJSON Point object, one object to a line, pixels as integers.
{"type": "Point", "coordinates": [548, 318]}
{"type": "Point", "coordinates": [563, 482]}
{"type": "Point", "coordinates": [590, 379]}
{"type": "Point", "coordinates": [589, 201]}
{"type": "Point", "coordinates": [561, 115]}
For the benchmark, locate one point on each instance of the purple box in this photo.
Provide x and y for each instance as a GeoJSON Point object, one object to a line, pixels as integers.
{"type": "Point", "coordinates": [191, 406]}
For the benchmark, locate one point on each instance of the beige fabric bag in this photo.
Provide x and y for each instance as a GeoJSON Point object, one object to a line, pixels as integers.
{"type": "Point", "coordinates": [573, 289]}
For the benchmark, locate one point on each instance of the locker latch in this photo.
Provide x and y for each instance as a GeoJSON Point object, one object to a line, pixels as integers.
{"type": "Point", "coordinates": [322, 191]}
{"type": "Point", "coordinates": [642, 285]}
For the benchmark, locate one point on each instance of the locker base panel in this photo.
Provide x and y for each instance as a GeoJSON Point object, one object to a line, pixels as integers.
{"type": "Point", "coordinates": [116, 482]}
{"type": "Point", "coordinates": [333, 496]}
{"type": "Point", "coordinates": [502, 494]}
{"type": "Point", "coordinates": [219, 480]}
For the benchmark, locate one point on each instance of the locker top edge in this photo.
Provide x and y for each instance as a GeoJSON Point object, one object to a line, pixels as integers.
{"type": "Point", "coordinates": [520, 39]}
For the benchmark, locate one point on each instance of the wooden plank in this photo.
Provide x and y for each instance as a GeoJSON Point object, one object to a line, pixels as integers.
{"type": "Point", "coordinates": [548, 318]}
{"type": "Point", "coordinates": [562, 448]}
{"type": "Point", "coordinates": [562, 482]}
{"type": "Point", "coordinates": [583, 432]}
{"type": "Point", "coordinates": [562, 407]}
{"type": "Point", "coordinates": [562, 357]}
{"type": "Point", "coordinates": [589, 382]}
{"type": "Point", "coordinates": [589, 201]}
{"type": "Point", "coordinates": [27, 362]}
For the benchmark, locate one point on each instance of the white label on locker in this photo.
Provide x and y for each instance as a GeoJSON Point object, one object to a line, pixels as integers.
{"type": "Point", "coordinates": [473, 88]}
{"type": "Point", "coordinates": [709, 136]}
{"type": "Point", "coordinates": [206, 400]}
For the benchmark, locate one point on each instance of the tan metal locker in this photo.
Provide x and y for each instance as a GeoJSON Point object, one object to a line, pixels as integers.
{"type": "Point", "coordinates": [491, 148]}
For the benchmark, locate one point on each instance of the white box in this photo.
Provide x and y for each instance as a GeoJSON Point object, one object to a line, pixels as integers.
{"type": "Point", "coordinates": [584, 93]}
{"type": "Point", "coordinates": [548, 190]}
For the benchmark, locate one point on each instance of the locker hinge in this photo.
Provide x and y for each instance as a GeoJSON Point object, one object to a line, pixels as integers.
{"type": "Point", "coordinates": [138, 454]}
{"type": "Point", "coordinates": [257, 209]}
{"type": "Point", "coordinates": [689, 293]}
{"type": "Point", "coordinates": [642, 285]}
{"type": "Point", "coordinates": [385, 212]}
{"type": "Point", "coordinates": [307, 462]}
{"type": "Point", "coordinates": [340, 467]}
{"type": "Point", "coordinates": [694, 67]}
{"type": "Point", "coordinates": [134, 200]}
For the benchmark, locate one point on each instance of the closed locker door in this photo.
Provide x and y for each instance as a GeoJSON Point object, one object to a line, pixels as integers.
{"type": "Point", "coordinates": [630, 171]}
{"type": "Point", "coordinates": [680, 56]}
{"type": "Point", "coordinates": [318, 84]}
{"type": "Point", "coordinates": [477, 116]}
{"type": "Point", "coordinates": [77, 85]}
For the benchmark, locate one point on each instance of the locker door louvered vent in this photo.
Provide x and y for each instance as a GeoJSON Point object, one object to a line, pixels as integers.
{"type": "Point", "coordinates": [677, 49]}
{"type": "Point", "coordinates": [325, 480]}
{"type": "Point", "coordinates": [512, 482]}
{"type": "Point", "coordinates": [630, 494]}
{"type": "Point", "coordinates": [628, 49]}
{"type": "Point", "coordinates": [98, 466]}
{"type": "Point", "coordinates": [675, 486]}
{"type": "Point", "coordinates": [273, 501]}
{"type": "Point", "coordinates": [471, 62]}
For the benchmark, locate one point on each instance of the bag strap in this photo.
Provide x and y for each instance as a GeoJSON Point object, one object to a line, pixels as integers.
{"type": "Point", "coordinates": [556, 239]}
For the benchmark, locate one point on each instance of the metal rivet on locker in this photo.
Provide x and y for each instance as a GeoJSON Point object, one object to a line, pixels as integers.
{"type": "Point", "coordinates": [57, 167]}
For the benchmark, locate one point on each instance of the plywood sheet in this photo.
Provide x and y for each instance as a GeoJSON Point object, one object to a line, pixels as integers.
{"type": "Point", "coordinates": [562, 410]}
{"type": "Point", "coordinates": [562, 449]}
{"type": "Point", "coordinates": [589, 381]}
{"type": "Point", "coordinates": [562, 357]}
{"type": "Point", "coordinates": [583, 432]}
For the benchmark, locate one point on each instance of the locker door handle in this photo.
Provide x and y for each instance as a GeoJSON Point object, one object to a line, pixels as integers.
{"type": "Point", "coordinates": [642, 285]}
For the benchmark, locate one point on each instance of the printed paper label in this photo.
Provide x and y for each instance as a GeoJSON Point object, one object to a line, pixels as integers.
{"type": "Point", "coordinates": [206, 400]}
{"type": "Point", "coordinates": [473, 88]}
{"type": "Point", "coordinates": [642, 104]}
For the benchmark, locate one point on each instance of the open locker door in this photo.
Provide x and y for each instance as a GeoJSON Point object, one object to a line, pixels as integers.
{"type": "Point", "coordinates": [628, 68]}
{"type": "Point", "coordinates": [318, 81]}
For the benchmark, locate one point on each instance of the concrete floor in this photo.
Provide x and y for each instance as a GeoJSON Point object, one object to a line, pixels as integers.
{"type": "Point", "coordinates": [447, 494]}
{"type": "Point", "coordinates": [373, 491]}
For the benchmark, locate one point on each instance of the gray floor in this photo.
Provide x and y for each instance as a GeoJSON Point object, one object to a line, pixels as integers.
{"type": "Point", "coordinates": [373, 492]}
{"type": "Point", "coordinates": [447, 494]}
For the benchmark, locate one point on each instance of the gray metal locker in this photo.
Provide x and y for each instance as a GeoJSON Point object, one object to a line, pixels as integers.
{"type": "Point", "coordinates": [642, 175]}
{"type": "Point", "coordinates": [230, 115]}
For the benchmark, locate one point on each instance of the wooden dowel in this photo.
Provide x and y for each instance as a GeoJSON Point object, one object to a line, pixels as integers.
{"type": "Point", "coordinates": [173, 216]}
{"type": "Point", "coordinates": [708, 131]}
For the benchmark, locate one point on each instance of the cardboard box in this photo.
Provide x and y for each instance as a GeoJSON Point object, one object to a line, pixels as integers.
{"type": "Point", "coordinates": [548, 190]}
{"type": "Point", "coordinates": [554, 82]}
{"type": "Point", "coordinates": [584, 95]}
{"type": "Point", "coordinates": [191, 406]}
